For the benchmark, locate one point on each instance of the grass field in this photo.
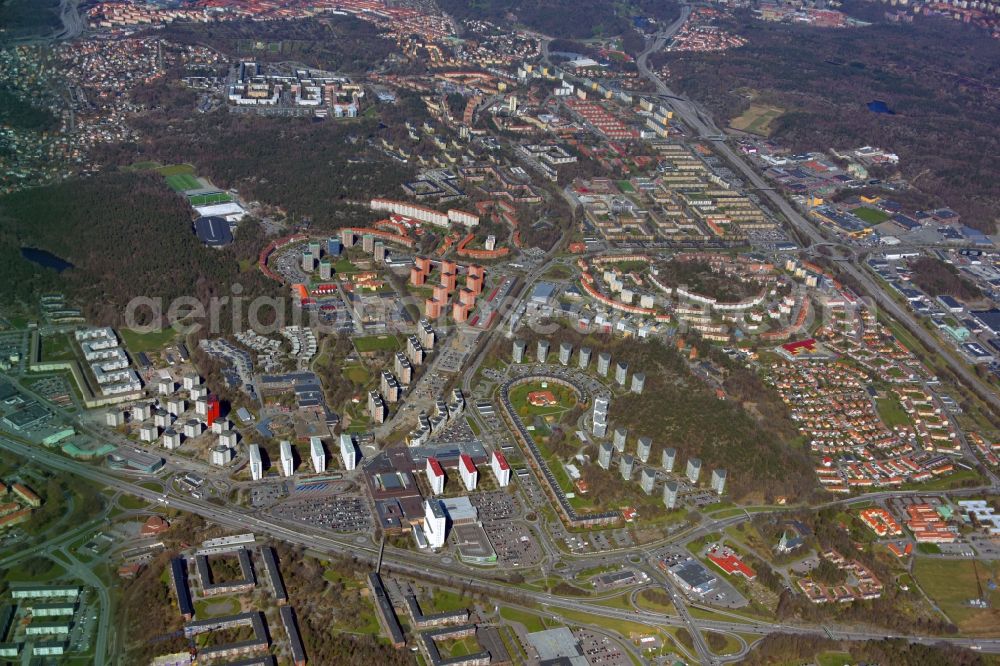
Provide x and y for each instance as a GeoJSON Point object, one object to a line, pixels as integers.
{"type": "Point", "coordinates": [131, 502]}
{"type": "Point", "coordinates": [444, 601]}
{"type": "Point", "coordinates": [376, 343]}
{"type": "Point", "coordinates": [952, 583]}
{"type": "Point", "coordinates": [180, 182]}
{"type": "Point", "coordinates": [757, 119]}
{"type": "Point", "coordinates": [57, 347]}
{"type": "Point", "coordinates": [519, 399]}
{"type": "Point", "coordinates": [175, 169]}
{"type": "Point", "coordinates": [891, 412]}
{"type": "Point", "coordinates": [834, 659]}
{"type": "Point", "coordinates": [209, 199]}
{"type": "Point", "coordinates": [144, 342]}
{"type": "Point", "coordinates": [871, 215]}
{"type": "Point", "coordinates": [530, 621]}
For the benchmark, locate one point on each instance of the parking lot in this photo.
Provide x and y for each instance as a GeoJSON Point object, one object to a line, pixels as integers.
{"type": "Point", "coordinates": [340, 514]}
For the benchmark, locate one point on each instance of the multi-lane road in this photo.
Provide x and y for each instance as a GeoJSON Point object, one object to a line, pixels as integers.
{"type": "Point", "coordinates": [412, 564]}
{"type": "Point", "coordinates": [701, 123]}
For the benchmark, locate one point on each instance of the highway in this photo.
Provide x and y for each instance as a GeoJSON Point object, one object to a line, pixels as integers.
{"type": "Point", "coordinates": [701, 123]}
{"type": "Point", "coordinates": [412, 565]}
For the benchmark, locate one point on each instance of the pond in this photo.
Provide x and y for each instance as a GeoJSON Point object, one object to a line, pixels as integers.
{"type": "Point", "coordinates": [878, 106]}
{"type": "Point", "coordinates": [45, 259]}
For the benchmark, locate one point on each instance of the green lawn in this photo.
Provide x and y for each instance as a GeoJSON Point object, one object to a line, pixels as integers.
{"type": "Point", "coordinates": [519, 399]}
{"type": "Point", "coordinates": [871, 215]}
{"type": "Point", "coordinates": [145, 342]}
{"type": "Point", "coordinates": [208, 199]}
{"type": "Point", "coordinates": [57, 347]}
{"type": "Point", "coordinates": [376, 343]}
{"type": "Point", "coordinates": [443, 601]}
{"type": "Point", "coordinates": [174, 169]}
{"type": "Point", "coordinates": [834, 659]}
{"type": "Point", "coordinates": [891, 412]}
{"type": "Point", "coordinates": [183, 181]}
{"type": "Point", "coordinates": [132, 503]}
{"type": "Point", "coordinates": [530, 621]}
{"type": "Point", "coordinates": [952, 583]}
{"type": "Point", "coordinates": [357, 374]}
{"type": "Point", "coordinates": [954, 480]}
{"type": "Point", "coordinates": [344, 265]}
{"type": "Point", "coordinates": [644, 600]}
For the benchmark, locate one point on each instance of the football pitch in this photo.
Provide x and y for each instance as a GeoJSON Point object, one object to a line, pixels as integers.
{"type": "Point", "coordinates": [209, 199]}
{"type": "Point", "coordinates": [180, 182]}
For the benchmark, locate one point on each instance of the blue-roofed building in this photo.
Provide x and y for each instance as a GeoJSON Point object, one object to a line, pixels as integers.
{"type": "Point", "coordinates": [213, 231]}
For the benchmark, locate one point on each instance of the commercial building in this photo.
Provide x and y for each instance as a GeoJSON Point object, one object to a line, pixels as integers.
{"type": "Point", "coordinates": [693, 469]}
{"type": "Point", "coordinates": [501, 470]}
{"type": "Point", "coordinates": [719, 480]}
{"type": "Point", "coordinates": [317, 454]}
{"type": "Point", "coordinates": [256, 466]}
{"type": "Point", "coordinates": [348, 452]}
{"type": "Point", "coordinates": [692, 576]}
{"type": "Point", "coordinates": [287, 458]}
{"type": "Point", "coordinates": [435, 475]}
{"type": "Point", "coordinates": [467, 468]}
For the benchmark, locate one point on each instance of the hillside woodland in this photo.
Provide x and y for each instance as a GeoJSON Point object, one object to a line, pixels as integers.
{"type": "Point", "coordinates": [938, 76]}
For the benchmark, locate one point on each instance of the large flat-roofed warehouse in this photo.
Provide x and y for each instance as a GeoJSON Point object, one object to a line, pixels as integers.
{"type": "Point", "coordinates": [213, 231]}
{"type": "Point", "coordinates": [693, 576]}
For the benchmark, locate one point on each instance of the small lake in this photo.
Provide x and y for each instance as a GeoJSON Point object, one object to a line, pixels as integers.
{"type": "Point", "coordinates": [45, 259]}
{"type": "Point", "coordinates": [878, 106]}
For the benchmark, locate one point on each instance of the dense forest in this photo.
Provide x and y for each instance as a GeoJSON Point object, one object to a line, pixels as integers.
{"type": "Point", "coordinates": [937, 278]}
{"type": "Point", "coordinates": [575, 19]}
{"type": "Point", "coordinates": [336, 43]}
{"type": "Point", "coordinates": [127, 235]}
{"type": "Point", "coordinates": [749, 432]}
{"type": "Point", "coordinates": [308, 168]}
{"type": "Point", "coordinates": [332, 610]}
{"type": "Point", "coordinates": [796, 649]}
{"type": "Point", "coordinates": [934, 74]}
{"type": "Point", "coordinates": [15, 113]}
{"type": "Point", "coordinates": [699, 277]}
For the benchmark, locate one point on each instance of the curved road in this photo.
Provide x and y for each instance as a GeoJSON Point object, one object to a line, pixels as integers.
{"type": "Point", "coordinates": [702, 124]}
